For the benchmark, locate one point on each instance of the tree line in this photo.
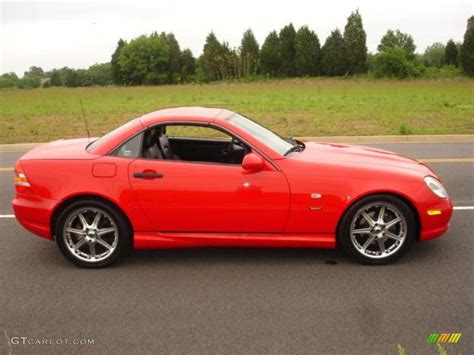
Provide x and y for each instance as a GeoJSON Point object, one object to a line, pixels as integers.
{"type": "Point", "coordinates": [157, 59]}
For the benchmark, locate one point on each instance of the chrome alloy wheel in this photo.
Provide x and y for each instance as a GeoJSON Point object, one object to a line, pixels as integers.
{"type": "Point", "coordinates": [90, 234]}
{"type": "Point", "coordinates": [378, 230]}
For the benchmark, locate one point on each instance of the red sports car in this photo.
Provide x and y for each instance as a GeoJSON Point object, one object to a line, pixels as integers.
{"type": "Point", "coordinates": [193, 177]}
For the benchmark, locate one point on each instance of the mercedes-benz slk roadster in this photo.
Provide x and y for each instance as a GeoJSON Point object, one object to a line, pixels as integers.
{"type": "Point", "coordinates": [207, 177]}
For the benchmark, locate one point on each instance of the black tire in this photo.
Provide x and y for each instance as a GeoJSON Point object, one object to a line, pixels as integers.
{"type": "Point", "coordinates": [348, 243]}
{"type": "Point", "coordinates": [120, 238]}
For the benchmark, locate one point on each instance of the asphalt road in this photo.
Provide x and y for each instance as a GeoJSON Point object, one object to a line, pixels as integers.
{"type": "Point", "coordinates": [245, 300]}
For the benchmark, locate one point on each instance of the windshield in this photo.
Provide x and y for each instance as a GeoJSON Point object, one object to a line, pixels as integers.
{"type": "Point", "coordinates": [272, 140]}
{"type": "Point", "coordinates": [112, 134]}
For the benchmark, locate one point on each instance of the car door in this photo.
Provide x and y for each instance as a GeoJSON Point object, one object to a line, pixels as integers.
{"type": "Point", "coordinates": [183, 196]}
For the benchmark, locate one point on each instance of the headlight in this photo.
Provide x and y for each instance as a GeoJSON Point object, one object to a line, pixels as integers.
{"type": "Point", "coordinates": [436, 186]}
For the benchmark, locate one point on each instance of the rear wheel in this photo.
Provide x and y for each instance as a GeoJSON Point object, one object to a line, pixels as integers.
{"type": "Point", "coordinates": [378, 229]}
{"type": "Point", "coordinates": [92, 234]}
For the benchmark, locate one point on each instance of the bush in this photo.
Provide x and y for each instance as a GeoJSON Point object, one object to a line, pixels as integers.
{"type": "Point", "coordinates": [404, 130]}
{"type": "Point", "coordinates": [29, 82]}
{"type": "Point", "coordinates": [6, 83]}
{"type": "Point", "coordinates": [447, 71]}
{"type": "Point", "coordinates": [393, 63]}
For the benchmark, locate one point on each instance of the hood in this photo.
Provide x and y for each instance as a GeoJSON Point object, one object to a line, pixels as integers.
{"type": "Point", "coordinates": [73, 149]}
{"type": "Point", "coordinates": [343, 154]}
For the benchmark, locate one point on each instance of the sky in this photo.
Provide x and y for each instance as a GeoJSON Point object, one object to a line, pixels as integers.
{"type": "Point", "coordinates": [78, 34]}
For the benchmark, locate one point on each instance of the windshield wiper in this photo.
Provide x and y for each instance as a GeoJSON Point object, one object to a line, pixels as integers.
{"type": "Point", "coordinates": [296, 148]}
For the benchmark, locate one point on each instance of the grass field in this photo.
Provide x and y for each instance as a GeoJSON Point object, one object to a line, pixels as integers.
{"type": "Point", "coordinates": [296, 107]}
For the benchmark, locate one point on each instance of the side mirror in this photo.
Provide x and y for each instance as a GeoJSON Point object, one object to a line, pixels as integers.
{"type": "Point", "coordinates": [253, 163]}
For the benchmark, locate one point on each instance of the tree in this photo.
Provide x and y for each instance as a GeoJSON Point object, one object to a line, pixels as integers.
{"type": "Point", "coordinates": [188, 65]}
{"type": "Point", "coordinates": [396, 57]}
{"type": "Point", "coordinates": [249, 54]}
{"type": "Point", "coordinates": [434, 55]}
{"type": "Point", "coordinates": [467, 48]}
{"type": "Point", "coordinates": [10, 76]}
{"type": "Point", "coordinates": [36, 72]}
{"type": "Point", "coordinates": [287, 51]}
{"type": "Point", "coordinates": [355, 44]}
{"type": "Point", "coordinates": [231, 64]}
{"type": "Point", "coordinates": [174, 59]}
{"type": "Point", "coordinates": [144, 61]}
{"type": "Point", "coordinates": [211, 61]}
{"type": "Point", "coordinates": [63, 73]}
{"type": "Point", "coordinates": [99, 74]}
{"type": "Point", "coordinates": [70, 78]}
{"type": "Point", "coordinates": [82, 79]}
{"type": "Point", "coordinates": [115, 65]}
{"type": "Point", "coordinates": [270, 58]}
{"type": "Point", "coordinates": [333, 61]}
{"type": "Point", "coordinates": [31, 78]}
{"type": "Point", "coordinates": [397, 39]}
{"type": "Point", "coordinates": [451, 53]}
{"type": "Point", "coordinates": [9, 80]}
{"type": "Point", "coordinates": [56, 79]}
{"type": "Point", "coordinates": [307, 52]}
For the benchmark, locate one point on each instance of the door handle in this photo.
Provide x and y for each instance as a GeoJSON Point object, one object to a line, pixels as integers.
{"type": "Point", "coordinates": [148, 175]}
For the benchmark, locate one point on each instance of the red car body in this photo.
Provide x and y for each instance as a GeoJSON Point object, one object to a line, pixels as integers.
{"type": "Point", "coordinates": [294, 201]}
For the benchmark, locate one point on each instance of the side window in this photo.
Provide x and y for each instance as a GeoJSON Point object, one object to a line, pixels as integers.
{"type": "Point", "coordinates": [193, 143]}
{"type": "Point", "coordinates": [131, 148]}
{"type": "Point", "coordinates": [195, 132]}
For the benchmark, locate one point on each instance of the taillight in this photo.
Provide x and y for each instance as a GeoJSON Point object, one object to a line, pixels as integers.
{"type": "Point", "coordinates": [21, 181]}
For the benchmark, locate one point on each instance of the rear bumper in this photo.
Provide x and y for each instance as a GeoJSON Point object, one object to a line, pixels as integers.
{"type": "Point", "coordinates": [435, 225]}
{"type": "Point", "coordinates": [34, 213]}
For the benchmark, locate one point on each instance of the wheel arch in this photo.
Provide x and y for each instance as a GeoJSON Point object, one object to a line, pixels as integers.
{"type": "Point", "coordinates": [68, 201]}
{"type": "Point", "coordinates": [393, 194]}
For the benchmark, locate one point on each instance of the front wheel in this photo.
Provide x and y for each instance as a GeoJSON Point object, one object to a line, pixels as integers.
{"type": "Point", "coordinates": [378, 229]}
{"type": "Point", "coordinates": [92, 234]}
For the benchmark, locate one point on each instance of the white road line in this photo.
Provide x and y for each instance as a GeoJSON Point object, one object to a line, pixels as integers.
{"type": "Point", "coordinates": [459, 208]}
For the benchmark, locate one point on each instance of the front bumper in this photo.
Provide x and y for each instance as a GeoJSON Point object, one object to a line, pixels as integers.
{"type": "Point", "coordinates": [34, 213]}
{"type": "Point", "coordinates": [433, 226]}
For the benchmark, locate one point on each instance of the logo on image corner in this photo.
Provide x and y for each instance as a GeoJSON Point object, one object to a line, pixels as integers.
{"type": "Point", "coordinates": [438, 338]}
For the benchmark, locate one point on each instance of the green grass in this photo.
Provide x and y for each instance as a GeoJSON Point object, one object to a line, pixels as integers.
{"type": "Point", "coordinates": [294, 107]}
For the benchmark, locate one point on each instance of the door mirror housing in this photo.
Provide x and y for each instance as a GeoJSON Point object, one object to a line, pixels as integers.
{"type": "Point", "coordinates": [253, 163]}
